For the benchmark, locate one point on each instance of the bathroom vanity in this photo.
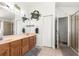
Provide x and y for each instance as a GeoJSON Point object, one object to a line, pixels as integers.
{"type": "Point", "coordinates": [17, 45]}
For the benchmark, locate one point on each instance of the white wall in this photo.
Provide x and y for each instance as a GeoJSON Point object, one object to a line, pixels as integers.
{"type": "Point", "coordinates": [45, 8]}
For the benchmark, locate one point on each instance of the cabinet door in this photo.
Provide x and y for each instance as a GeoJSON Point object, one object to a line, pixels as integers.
{"type": "Point", "coordinates": [4, 50]}
{"type": "Point", "coordinates": [15, 48]}
{"type": "Point", "coordinates": [25, 45]}
{"type": "Point", "coordinates": [32, 41]}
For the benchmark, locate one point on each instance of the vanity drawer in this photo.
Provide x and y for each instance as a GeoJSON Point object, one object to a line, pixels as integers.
{"type": "Point", "coordinates": [15, 43]}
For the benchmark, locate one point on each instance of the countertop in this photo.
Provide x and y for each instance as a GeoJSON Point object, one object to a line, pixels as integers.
{"type": "Point", "coordinates": [10, 38]}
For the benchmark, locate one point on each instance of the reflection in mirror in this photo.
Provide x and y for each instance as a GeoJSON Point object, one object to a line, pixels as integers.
{"type": "Point", "coordinates": [0, 31]}
{"type": "Point", "coordinates": [6, 21]}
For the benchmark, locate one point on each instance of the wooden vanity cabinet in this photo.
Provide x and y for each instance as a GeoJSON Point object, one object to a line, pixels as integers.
{"type": "Point", "coordinates": [18, 47]}
{"type": "Point", "coordinates": [15, 48]}
{"type": "Point", "coordinates": [25, 45]}
{"type": "Point", "coordinates": [4, 50]}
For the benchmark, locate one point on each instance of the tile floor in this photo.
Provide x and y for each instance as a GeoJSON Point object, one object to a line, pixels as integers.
{"type": "Point", "coordinates": [45, 51]}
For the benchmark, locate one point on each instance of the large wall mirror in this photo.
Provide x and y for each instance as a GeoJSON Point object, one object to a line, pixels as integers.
{"type": "Point", "coordinates": [6, 21]}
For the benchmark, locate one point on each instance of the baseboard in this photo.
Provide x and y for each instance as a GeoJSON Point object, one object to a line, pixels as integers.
{"type": "Point", "coordinates": [74, 51]}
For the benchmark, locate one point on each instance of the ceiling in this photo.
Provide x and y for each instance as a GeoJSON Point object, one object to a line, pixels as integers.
{"type": "Point", "coordinates": [25, 6]}
{"type": "Point", "coordinates": [67, 4]}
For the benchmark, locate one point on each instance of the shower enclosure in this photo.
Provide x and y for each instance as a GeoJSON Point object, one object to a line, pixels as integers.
{"type": "Point", "coordinates": [75, 31]}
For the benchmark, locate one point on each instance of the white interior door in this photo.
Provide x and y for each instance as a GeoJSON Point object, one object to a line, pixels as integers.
{"type": "Point", "coordinates": [46, 31]}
